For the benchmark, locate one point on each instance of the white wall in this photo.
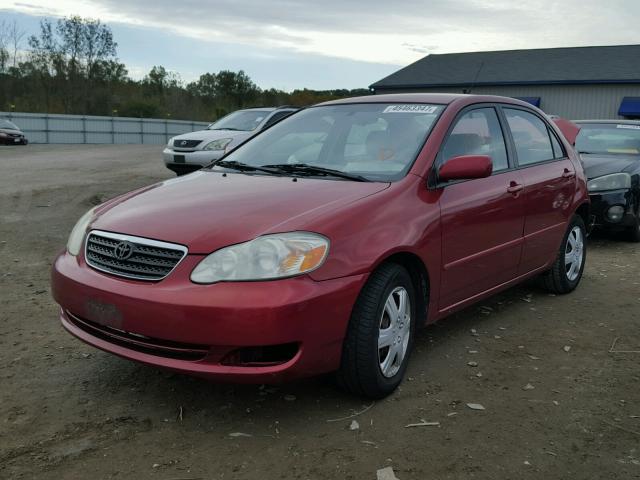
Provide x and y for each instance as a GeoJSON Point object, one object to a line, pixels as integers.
{"type": "Point", "coordinates": [54, 128]}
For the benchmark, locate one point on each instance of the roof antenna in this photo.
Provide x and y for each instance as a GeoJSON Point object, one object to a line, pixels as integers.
{"type": "Point", "coordinates": [475, 79]}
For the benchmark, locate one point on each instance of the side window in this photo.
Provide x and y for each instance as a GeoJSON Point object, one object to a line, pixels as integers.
{"type": "Point", "coordinates": [558, 151]}
{"type": "Point", "coordinates": [276, 117]}
{"type": "Point", "coordinates": [531, 137]}
{"type": "Point", "coordinates": [478, 132]}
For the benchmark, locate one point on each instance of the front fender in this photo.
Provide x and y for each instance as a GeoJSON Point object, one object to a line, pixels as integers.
{"type": "Point", "coordinates": [405, 218]}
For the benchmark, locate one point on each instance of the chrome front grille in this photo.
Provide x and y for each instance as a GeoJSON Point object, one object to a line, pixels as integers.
{"type": "Point", "coordinates": [132, 257]}
{"type": "Point", "coordinates": [186, 143]}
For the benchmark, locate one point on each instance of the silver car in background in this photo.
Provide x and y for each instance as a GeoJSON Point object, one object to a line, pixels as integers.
{"type": "Point", "coordinates": [191, 151]}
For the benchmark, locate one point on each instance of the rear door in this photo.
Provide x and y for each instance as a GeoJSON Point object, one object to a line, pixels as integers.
{"type": "Point", "coordinates": [549, 185]}
{"type": "Point", "coordinates": [482, 219]}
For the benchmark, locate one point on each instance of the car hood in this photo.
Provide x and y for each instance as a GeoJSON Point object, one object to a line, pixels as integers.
{"type": "Point", "coordinates": [212, 135]}
{"type": "Point", "coordinates": [208, 210]}
{"type": "Point", "coordinates": [597, 165]}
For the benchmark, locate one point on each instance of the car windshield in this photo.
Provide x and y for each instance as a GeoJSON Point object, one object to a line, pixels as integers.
{"type": "Point", "coordinates": [609, 138]}
{"type": "Point", "coordinates": [375, 141]}
{"type": "Point", "coordinates": [6, 124]}
{"type": "Point", "coordinates": [243, 120]}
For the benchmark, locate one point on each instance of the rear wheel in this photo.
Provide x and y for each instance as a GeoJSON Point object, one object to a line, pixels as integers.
{"type": "Point", "coordinates": [566, 273]}
{"type": "Point", "coordinates": [380, 334]}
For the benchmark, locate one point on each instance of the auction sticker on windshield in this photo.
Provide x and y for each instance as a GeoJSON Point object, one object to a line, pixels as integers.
{"type": "Point", "coordinates": [416, 108]}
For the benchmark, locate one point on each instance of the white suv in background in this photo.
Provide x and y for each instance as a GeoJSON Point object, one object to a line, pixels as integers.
{"type": "Point", "coordinates": [192, 151]}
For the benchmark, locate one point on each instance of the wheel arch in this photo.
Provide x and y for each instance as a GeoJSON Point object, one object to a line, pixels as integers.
{"type": "Point", "coordinates": [420, 277]}
{"type": "Point", "coordinates": [584, 211]}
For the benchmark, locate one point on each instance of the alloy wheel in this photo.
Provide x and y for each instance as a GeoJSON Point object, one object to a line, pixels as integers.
{"type": "Point", "coordinates": [394, 332]}
{"type": "Point", "coordinates": [574, 253]}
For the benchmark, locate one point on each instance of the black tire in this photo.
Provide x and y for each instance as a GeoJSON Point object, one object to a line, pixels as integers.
{"type": "Point", "coordinates": [557, 280]}
{"type": "Point", "coordinates": [634, 232]}
{"type": "Point", "coordinates": [360, 371]}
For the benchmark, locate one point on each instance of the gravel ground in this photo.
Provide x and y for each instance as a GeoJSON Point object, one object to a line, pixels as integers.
{"type": "Point", "coordinates": [559, 404]}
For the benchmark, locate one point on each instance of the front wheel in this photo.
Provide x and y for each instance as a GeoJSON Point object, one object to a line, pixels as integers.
{"type": "Point", "coordinates": [634, 232]}
{"type": "Point", "coordinates": [380, 334]}
{"type": "Point", "coordinates": [566, 273]}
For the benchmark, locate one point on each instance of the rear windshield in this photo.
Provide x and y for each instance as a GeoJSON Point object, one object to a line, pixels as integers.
{"type": "Point", "coordinates": [378, 141]}
{"type": "Point", "coordinates": [609, 138]}
{"type": "Point", "coordinates": [6, 124]}
{"type": "Point", "coordinates": [243, 120]}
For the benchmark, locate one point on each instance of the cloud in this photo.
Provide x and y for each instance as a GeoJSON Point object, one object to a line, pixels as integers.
{"type": "Point", "coordinates": [423, 49]}
{"type": "Point", "coordinates": [373, 30]}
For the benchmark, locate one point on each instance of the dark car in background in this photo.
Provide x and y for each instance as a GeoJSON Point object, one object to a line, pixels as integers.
{"type": "Point", "coordinates": [10, 134]}
{"type": "Point", "coordinates": [610, 151]}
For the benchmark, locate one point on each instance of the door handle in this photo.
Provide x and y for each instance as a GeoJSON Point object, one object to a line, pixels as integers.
{"type": "Point", "coordinates": [568, 173]}
{"type": "Point", "coordinates": [515, 187]}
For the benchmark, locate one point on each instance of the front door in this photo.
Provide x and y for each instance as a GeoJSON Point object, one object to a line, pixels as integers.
{"type": "Point", "coordinates": [482, 220]}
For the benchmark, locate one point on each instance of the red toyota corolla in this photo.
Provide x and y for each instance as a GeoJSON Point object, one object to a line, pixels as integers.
{"type": "Point", "coordinates": [323, 243]}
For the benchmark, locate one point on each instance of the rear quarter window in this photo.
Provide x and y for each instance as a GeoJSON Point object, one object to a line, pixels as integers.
{"type": "Point", "coordinates": [558, 151]}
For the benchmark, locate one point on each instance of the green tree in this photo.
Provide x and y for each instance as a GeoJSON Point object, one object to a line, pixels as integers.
{"type": "Point", "coordinates": [68, 57]}
{"type": "Point", "coordinates": [236, 88]}
{"type": "Point", "coordinates": [159, 79]}
{"type": "Point", "coordinates": [206, 87]}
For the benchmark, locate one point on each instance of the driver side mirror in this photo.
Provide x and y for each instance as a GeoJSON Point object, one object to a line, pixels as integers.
{"type": "Point", "coordinates": [466, 167]}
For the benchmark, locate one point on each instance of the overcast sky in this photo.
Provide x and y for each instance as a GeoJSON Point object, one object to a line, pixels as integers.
{"type": "Point", "coordinates": [331, 43]}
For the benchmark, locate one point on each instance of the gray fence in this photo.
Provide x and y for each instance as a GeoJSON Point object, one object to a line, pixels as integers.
{"type": "Point", "coordinates": [54, 128]}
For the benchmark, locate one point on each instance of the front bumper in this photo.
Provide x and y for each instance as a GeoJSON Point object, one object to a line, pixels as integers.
{"type": "Point", "coordinates": [185, 162]}
{"type": "Point", "coordinates": [13, 141]}
{"type": "Point", "coordinates": [603, 201]}
{"type": "Point", "coordinates": [149, 322]}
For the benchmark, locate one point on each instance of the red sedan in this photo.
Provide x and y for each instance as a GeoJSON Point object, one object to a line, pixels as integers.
{"type": "Point", "coordinates": [324, 242]}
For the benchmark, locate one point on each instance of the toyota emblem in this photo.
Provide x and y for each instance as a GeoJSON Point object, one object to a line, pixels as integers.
{"type": "Point", "coordinates": [183, 143]}
{"type": "Point", "coordinates": [123, 250]}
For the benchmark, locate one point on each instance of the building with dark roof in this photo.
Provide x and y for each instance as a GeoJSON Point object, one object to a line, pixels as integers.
{"type": "Point", "coordinates": [578, 82]}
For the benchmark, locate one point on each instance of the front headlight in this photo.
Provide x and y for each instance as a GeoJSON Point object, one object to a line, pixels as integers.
{"type": "Point", "coordinates": [219, 144]}
{"type": "Point", "coordinates": [76, 237]}
{"type": "Point", "coordinates": [170, 142]}
{"type": "Point", "coordinates": [615, 181]}
{"type": "Point", "coordinates": [265, 258]}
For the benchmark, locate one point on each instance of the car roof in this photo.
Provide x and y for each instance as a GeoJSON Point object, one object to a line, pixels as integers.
{"type": "Point", "coordinates": [437, 98]}
{"type": "Point", "coordinates": [257, 109]}
{"type": "Point", "coordinates": [268, 109]}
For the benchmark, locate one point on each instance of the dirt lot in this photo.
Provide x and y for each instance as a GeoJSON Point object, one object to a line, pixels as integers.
{"type": "Point", "coordinates": [69, 411]}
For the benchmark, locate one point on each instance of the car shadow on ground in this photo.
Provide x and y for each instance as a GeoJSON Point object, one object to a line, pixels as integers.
{"type": "Point", "coordinates": [168, 395]}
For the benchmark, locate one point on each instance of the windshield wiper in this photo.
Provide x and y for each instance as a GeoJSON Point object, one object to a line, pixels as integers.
{"type": "Point", "coordinates": [243, 167]}
{"type": "Point", "coordinates": [303, 168]}
{"type": "Point", "coordinates": [229, 128]}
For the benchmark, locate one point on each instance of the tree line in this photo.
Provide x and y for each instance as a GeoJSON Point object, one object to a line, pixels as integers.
{"type": "Point", "coordinates": [71, 66]}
